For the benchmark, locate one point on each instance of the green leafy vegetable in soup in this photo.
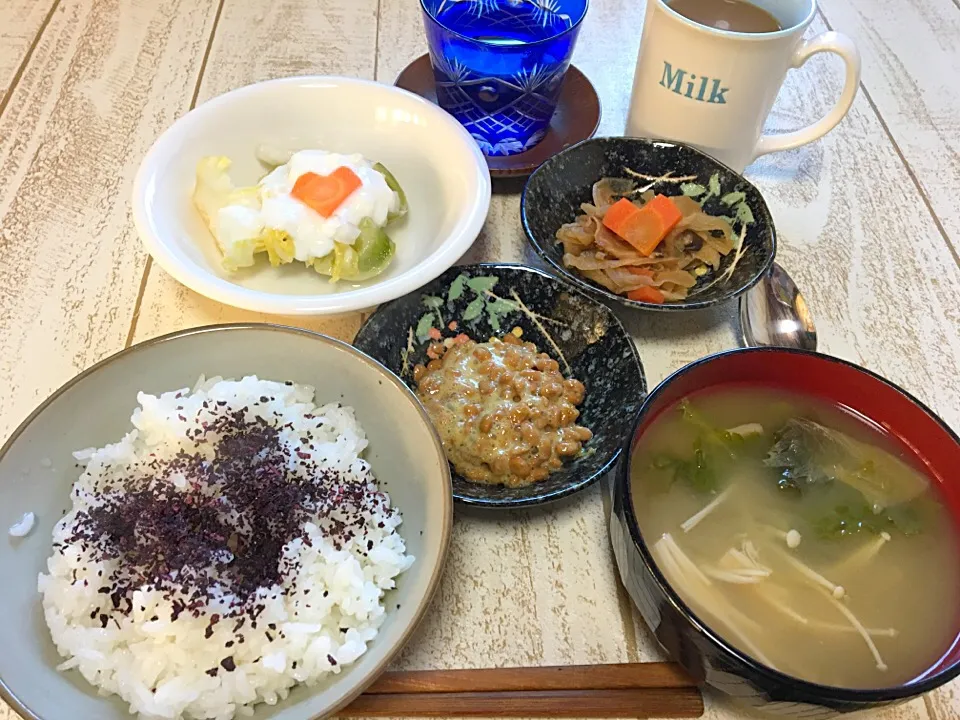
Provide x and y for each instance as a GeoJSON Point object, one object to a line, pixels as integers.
{"type": "Point", "coordinates": [858, 517]}
{"type": "Point", "coordinates": [713, 451]}
{"type": "Point", "coordinates": [696, 471]}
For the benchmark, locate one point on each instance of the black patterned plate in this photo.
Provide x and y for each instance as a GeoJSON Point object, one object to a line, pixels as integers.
{"type": "Point", "coordinates": [553, 195]}
{"type": "Point", "coordinates": [581, 334]}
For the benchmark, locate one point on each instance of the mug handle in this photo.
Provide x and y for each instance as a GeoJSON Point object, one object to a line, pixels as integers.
{"type": "Point", "coordinates": [827, 42]}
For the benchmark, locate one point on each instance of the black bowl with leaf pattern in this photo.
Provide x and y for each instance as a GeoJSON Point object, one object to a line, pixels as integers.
{"type": "Point", "coordinates": [554, 193]}
{"type": "Point", "coordinates": [581, 334]}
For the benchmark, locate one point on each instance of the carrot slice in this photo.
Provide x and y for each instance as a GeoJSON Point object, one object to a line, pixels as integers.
{"type": "Point", "coordinates": [325, 193]}
{"type": "Point", "coordinates": [667, 209]}
{"type": "Point", "coordinates": [620, 215]}
{"type": "Point", "coordinates": [647, 294]}
{"type": "Point", "coordinates": [644, 227]}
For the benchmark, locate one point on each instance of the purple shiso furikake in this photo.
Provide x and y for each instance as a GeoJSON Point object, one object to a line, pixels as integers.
{"type": "Point", "coordinates": [219, 536]}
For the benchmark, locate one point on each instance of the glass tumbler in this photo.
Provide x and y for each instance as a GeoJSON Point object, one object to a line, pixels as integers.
{"type": "Point", "coordinates": [499, 65]}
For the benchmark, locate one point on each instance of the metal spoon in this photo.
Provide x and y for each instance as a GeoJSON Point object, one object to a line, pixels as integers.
{"type": "Point", "coordinates": [773, 313]}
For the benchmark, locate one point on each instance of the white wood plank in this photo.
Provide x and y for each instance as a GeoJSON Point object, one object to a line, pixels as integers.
{"type": "Point", "coordinates": [104, 79]}
{"type": "Point", "coordinates": [911, 62]}
{"type": "Point", "coordinates": [20, 23]}
{"type": "Point", "coordinates": [258, 40]}
{"type": "Point", "coordinates": [944, 704]}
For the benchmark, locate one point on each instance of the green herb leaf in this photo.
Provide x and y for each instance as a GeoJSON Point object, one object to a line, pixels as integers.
{"type": "Point", "coordinates": [714, 453]}
{"type": "Point", "coordinates": [702, 477]}
{"type": "Point", "coordinates": [839, 511]}
{"type": "Point", "coordinates": [425, 326]}
{"type": "Point", "coordinates": [697, 472]}
{"type": "Point", "coordinates": [692, 189]}
{"type": "Point", "coordinates": [732, 198]}
{"type": "Point", "coordinates": [432, 301]}
{"type": "Point", "coordinates": [482, 284]}
{"type": "Point", "coordinates": [456, 288]}
{"type": "Point", "coordinates": [857, 518]}
{"type": "Point", "coordinates": [474, 309]}
{"type": "Point", "coordinates": [720, 439]}
{"type": "Point", "coordinates": [745, 214]}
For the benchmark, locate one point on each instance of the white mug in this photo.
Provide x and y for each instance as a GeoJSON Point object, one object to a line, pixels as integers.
{"type": "Point", "coordinates": [713, 89]}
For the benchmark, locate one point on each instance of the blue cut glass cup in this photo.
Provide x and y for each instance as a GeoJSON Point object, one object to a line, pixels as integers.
{"type": "Point", "coordinates": [499, 65]}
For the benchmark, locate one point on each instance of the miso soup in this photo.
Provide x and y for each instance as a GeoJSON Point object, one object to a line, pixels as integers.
{"type": "Point", "coordinates": [801, 534]}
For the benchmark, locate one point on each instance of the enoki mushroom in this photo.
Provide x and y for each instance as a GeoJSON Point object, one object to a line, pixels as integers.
{"type": "Point", "coordinates": [683, 572]}
{"type": "Point", "coordinates": [772, 595]}
{"type": "Point", "coordinates": [790, 537]}
{"type": "Point", "coordinates": [848, 614]}
{"type": "Point", "coordinates": [692, 522]}
{"type": "Point", "coordinates": [836, 591]}
{"type": "Point", "coordinates": [742, 567]}
{"type": "Point", "coordinates": [864, 554]}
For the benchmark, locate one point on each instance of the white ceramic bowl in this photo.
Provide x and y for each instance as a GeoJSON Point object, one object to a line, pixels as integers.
{"type": "Point", "coordinates": [437, 163]}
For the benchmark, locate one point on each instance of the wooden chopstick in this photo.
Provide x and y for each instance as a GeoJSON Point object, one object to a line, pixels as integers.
{"type": "Point", "coordinates": [569, 677]}
{"type": "Point", "coordinates": [637, 690]}
{"type": "Point", "coordinates": [637, 703]}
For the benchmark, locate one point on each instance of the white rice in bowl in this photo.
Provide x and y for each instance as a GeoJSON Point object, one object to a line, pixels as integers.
{"type": "Point", "coordinates": [232, 545]}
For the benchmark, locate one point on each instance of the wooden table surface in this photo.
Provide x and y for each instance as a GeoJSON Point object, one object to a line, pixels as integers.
{"type": "Point", "coordinates": [868, 218]}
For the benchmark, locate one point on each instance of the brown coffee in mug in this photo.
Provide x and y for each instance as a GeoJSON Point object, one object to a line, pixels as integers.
{"type": "Point", "coordinates": [731, 15]}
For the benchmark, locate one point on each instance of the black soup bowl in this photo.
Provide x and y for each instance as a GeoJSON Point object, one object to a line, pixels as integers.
{"type": "Point", "coordinates": [554, 193]}
{"type": "Point", "coordinates": [704, 654]}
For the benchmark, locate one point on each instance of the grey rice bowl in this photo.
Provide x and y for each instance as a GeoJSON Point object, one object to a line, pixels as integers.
{"type": "Point", "coordinates": [351, 503]}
